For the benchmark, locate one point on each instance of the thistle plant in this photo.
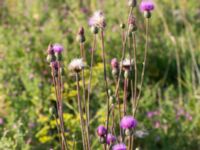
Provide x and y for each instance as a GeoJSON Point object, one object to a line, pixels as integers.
{"type": "Point", "coordinates": [54, 57]}
{"type": "Point", "coordinates": [127, 65]}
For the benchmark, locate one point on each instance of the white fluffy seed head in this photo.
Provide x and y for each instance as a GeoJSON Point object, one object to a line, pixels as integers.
{"type": "Point", "coordinates": [126, 62]}
{"type": "Point", "coordinates": [76, 65]}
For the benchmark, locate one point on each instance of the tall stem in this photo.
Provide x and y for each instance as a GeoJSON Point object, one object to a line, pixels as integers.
{"type": "Point", "coordinates": [105, 78]}
{"type": "Point", "coordinates": [125, 95]}
{"type": "Point", "coordinates": [90, 78]}
{"type": "Point", "coordinates": [58, 101]}
{"type": "Point", "coordinates": [123, 55]}
{"type": "Point", "coordinates": [144, 65]}
{"type": "Point", "coordinates": [135, 72]}
{"type": "Point", "coordinates": [84, 98]}
{"type": "Point", "coordinates": [81, 112]}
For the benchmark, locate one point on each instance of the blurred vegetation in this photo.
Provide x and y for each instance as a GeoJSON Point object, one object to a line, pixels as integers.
{"type": "Point", "coordinates": [26, 90]}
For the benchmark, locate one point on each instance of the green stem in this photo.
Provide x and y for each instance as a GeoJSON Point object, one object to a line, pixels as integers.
{"type": "Point", "coordinates": [81, 112]}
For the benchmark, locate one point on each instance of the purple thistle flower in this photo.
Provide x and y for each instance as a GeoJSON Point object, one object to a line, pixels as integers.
{"type": "Point", "coordinates": [128, 122]}
{"type": "Point", "coordinates": [120, 146]}
{"type": "Point", "coordinates": [98, 20]}
{"type": "Point", "coordinates": [150, 114]}
{"type": "Point", "coordinates": [147, 5]}
{"type": "Point", "coordinates": [110, 139]}
{"type": "Point", "coordinates": [101, 131]}
{"type": "Point", "coordinates": [58, 48]}
{"type": "Point", "coordinates": [114, 63]}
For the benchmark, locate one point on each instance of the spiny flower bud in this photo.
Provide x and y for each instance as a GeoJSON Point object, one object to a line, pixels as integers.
{"type": "Point", "coordinates": [81, 35]}
{"type": "Point", "coordinates": [101, 131]}
{"type": "Point", "coordinates": [110, 139]}
{"type": "Point", "coordinates": [147, 14]}
{"type": "Point", "coordinates": [128, 132]}
{"type": "Point", "coordinates": [81, 31]}
{"type": "Point", "coordinates": [132, 3]}
{"type": "Point", "coordinates": [122, 25]}
{"type": "Point", "coordinates": [50, 58]}
{"type": "Point", "coordinates": [102, 140]}
{"type": "Point", "coordinates": [94, 29]}
{"type": "Point", "coordinates": [115, 72]}
{"type": "Point", "coordinates": [126, 74]}
{"type": "Point", "coordinates": [50, 49]}
{"type": "Point", "coordinates": [58, 56]}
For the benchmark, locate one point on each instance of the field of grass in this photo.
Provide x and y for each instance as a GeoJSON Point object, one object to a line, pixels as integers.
{"type": "Point", "coordinates": [168, 114]}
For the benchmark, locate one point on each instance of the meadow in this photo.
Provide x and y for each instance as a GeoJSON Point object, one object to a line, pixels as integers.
{"type": "Point", "coordinates": [164, 101]}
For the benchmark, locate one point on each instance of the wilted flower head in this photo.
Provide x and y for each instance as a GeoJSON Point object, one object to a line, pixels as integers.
{"type": "Point", "coordinates": [110, 139]}
{"type": "Point", "coordinates": [147, 5]}
{"type": "Point", "coordinates": [120, 146]}
{"type": "Point", "coordinates": [114, 63]}
{"type": "Point", "coordinates": [98, 20]}
{"type": "Point", "coordinates": [128, 122]}
{"type": "Point", "coordinates": [141, 133]}
{"type": "Point", "coordinates": [76, 65]}
{"type": "Point", "coordinates": [101, 131]}
{"type": "Point", "coordinates": [127, 63]}
{"type": "Point", "coordinates": [50, 49]}
{"type": "Point", "coordinates": [131, 20]}
{"type": "Point", "coordinates": [57, 48]}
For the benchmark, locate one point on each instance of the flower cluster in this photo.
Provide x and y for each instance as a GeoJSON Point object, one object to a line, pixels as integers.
{"type": "Point", "coordinates": [54, 57]}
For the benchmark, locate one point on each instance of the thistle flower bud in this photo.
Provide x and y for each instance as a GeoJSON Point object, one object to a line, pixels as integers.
{"type": "Point", "coordinates": [102, 140]}
{"type": "Point", "coordinates": [110, 139]}
{"type": "Point", "coordinates": [115, 72]}
{"type": "Point", "coordinates": [132, 28]}
{"type": "Point", "coordinates": [147, 14]}
{"type": "Point", "coordinates": [122, 25]}
{"type": "Point", "coordinates": [62, 71]}
{"type": "Point", "coordinates": [58, 56]}
{"type": "Point", "coordinates": [50, 58]}
{"type": "Point", "coordinates": [128, 132]}
{"type": "Point", "coordinates": [126, 74]}
{"type": "Point", "coordinates": [81, 35]}
{"type": "Point", "coordinates": [94, 29]}
{"type": "Point", "coordinates": [132, 3]}
{"type": "Point", "coordinates": [101, 131]}
{"type": "Point", "coordinates": [81, 31]}
{"type": "Point", "coordinates": [50, 49]}
{"type": "Point", "coordinates": [80, 38]}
